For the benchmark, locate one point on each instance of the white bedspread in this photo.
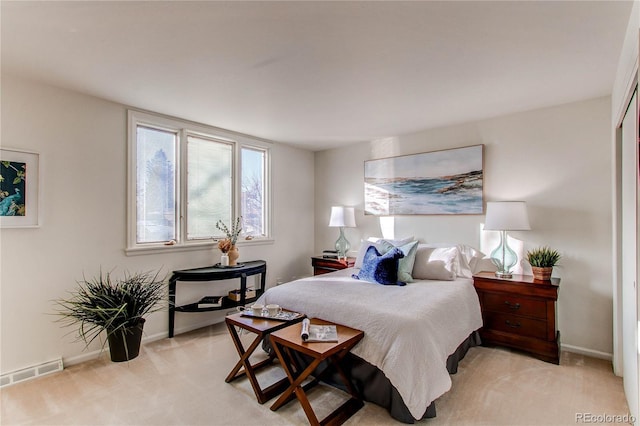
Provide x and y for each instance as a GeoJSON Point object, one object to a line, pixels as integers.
{"type": "Point", "coordinates": [409, 331]}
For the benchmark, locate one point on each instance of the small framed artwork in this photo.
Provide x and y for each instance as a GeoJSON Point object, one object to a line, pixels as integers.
{"type": "Point", "coordinates": [431, 183]}
{"type": "Point", "coordinates": [19, 188]}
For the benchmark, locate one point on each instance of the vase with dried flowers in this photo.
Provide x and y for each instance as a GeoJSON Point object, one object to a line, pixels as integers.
{"type": "Point", "coordinates": [228, 245]}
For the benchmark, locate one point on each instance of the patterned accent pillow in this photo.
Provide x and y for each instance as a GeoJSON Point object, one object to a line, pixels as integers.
{"type": "Point", "coordinates": [381, 269]}
{"type": "Point", "coordinates": [405, 265]}
{"type": "Point", "coordinates": [377, 242]}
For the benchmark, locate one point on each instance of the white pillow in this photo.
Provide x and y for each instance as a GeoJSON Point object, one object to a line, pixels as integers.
{"type": "Point", "coordinates": [436, 263]}
{"type": "Point", "coordinates": [472, 258]}
{"type": "Point", "coordinates": [396, 243]}
{"type": "Point", "coordinates": [480, 264]}
{"type": "Point", "coordinates": [466, 256]}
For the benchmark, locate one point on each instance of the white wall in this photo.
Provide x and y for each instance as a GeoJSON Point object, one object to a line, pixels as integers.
{"type": "Point", "coordinates": [82, 143]}
{"type": "Point", "coordinates": [556, 159]}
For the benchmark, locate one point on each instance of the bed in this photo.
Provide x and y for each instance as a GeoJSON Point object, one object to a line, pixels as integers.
{"type": "Point", "coordinates": [412, 332]}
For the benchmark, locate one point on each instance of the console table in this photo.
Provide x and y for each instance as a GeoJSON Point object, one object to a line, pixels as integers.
{"type": "Point", "coordinates": [215, 273]}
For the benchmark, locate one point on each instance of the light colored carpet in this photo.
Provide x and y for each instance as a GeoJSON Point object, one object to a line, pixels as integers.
{"type": "Point", "coordinates": [180, 381]}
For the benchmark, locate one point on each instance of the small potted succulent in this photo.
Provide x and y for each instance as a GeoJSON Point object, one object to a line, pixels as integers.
{"type": "Point", "coordinates": [542, 261]}
{"type": "Point", "coordinates": [116, 306]}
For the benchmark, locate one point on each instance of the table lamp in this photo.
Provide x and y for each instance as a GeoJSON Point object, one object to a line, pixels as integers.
{"type": "Point", "coordinates": [506, 216]}
{"type": "Point", "coordinates": [342, 217]}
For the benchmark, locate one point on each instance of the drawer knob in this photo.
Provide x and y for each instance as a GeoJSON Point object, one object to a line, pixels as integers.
{"type": "Point", "coordinates": [510, 324]}
{"type": "Point", "coordinates": [513, 306]}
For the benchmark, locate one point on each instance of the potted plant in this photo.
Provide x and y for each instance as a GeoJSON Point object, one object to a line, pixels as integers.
{"type": "Point", "coordinates": [542, 261]}
{"type": "Point", "coordinates": [117, 306]}
{"type": "Point", "coordinates": [228, 245]}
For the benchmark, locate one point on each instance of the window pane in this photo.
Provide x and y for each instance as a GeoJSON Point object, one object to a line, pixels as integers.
{"type": "Point", "coordinates": [209, 186]}
{"type": "Point", "coordinates": [252, 194]}
{"type": "Point", "coordinates": [155, 185]}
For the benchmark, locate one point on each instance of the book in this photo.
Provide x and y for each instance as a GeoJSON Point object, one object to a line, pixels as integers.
{"type": "Point", "coordinates": [210, 302]}
{"type": "Point", "coordinates": [329, 256]}
{"type": "Point", "coordinates": [320, 333]}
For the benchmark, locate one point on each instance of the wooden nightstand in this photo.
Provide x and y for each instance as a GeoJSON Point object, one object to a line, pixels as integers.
{"type": "Point", "coordinates": [323, 265]}
{"type": "Point", "coordinates": [520, 313]}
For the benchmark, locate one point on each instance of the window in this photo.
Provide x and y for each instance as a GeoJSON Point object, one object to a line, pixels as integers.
{"type": "Point", "coordinates": [253, 178]}
{"type": "Point", "coordinates": [155, 185]}
{"type": "Point", "coordinates": [186, 177]}
{"type": "Point", "coordinates": [209, 186]}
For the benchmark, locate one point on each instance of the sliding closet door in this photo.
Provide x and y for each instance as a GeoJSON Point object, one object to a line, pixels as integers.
{"type": "Point", "coordinates": [630, 255]}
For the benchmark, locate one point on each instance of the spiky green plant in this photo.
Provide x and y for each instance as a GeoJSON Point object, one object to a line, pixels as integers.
{"type": "Point", "coordinates": [543, 257]}
{"type": "Point", "coordinates": [114, 305]}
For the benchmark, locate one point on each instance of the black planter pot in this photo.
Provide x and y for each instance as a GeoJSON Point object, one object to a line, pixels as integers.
{"type": "Point", "coordinates": [124, 344]}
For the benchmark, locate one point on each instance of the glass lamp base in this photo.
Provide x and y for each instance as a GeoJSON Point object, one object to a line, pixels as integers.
{"type": "Point", "coordinates": [504, 257]}
{"type": "Point", "coordinates": [342, 245]}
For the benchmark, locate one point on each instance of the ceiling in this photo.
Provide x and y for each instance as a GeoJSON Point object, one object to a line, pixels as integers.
{"type": "Point", "coordinates": [320, 74]}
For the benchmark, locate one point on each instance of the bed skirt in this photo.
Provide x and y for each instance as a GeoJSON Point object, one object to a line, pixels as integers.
{"type": "Point", "coordinates": [374, 386]}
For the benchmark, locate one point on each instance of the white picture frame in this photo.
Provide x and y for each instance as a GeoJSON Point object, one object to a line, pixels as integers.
{"type": "Point", "coordinates": [19, 188]}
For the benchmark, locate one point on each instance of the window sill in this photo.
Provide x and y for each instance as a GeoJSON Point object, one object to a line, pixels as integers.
{"type": "Point", "coordinates": [158, 249]}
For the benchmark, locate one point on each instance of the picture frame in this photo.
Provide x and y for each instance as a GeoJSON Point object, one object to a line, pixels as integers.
{"type": "Point", "coordinates": [19, 188]}
{"type": "Point", "coordinates": [446, 182]}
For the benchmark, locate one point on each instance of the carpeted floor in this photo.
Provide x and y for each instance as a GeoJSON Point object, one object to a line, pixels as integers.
{"type": "Point", "coordinates": [180, 381]}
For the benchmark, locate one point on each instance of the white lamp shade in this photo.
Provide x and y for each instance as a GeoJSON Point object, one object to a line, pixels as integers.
{"type": "Point", "coordinates": [343, 216]}
{"type": "Point", "coordinates": [507, 216]}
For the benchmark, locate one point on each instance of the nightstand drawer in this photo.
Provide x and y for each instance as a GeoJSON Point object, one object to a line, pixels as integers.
{"type": "Point", "coordinates": [318, 270]}
{"type": "Point", "coordinates": [510, 304]}
{"type": "Point", "coordinates": [329, 264]}
{"type": "Point", "coordinates": [515, 324]}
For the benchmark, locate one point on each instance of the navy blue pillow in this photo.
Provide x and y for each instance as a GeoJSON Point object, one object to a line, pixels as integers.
{"type": "Point", "coordinates": [381, 269]}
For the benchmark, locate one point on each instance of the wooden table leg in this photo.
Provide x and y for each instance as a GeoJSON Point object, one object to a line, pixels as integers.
{"type": "Point", "coordinates": [340, 414]}
{"type": "Point", "coordinates": [249, 370]}
{"type": "Point", "coordinates": [295, 381]}
{"type": "Point", "coordinates": [241, 351]}
{"type": "Point", "coordinates": [306, 406]}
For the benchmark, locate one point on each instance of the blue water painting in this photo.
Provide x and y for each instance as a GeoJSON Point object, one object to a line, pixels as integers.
{"type": "Point", "coordinates": [416, 190]}
{"type": "Point", "coordinates": [12, 188]}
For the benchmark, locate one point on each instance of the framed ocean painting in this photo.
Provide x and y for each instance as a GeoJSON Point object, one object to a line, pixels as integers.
{"type": "Point", "coordinates": [19, 186]}
{"type": "Point", "coordinates": [430, 183]}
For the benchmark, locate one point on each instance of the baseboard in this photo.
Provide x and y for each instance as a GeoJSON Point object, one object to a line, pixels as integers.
{"type": "Point", "coordinates": [588, 352]}
{"type": "Point", "coordinates": [31, 372]}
